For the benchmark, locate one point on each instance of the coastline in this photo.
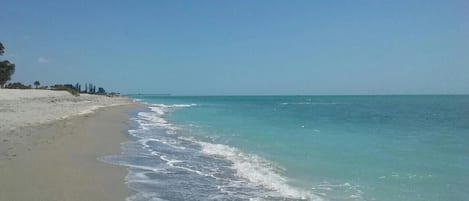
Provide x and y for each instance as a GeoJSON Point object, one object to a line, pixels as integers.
{"type": "Point", "coordinates": [58, 160]}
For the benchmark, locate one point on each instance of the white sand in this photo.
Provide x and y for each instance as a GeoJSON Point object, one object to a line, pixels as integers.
{"type": "Point", "coordinates": [19, 108]}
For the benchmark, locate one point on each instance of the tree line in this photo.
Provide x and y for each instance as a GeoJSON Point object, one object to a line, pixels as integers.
{"type": "Point", "coordinates": [88, 89]}
{"type": "Point", "coordinates": [6, 68]}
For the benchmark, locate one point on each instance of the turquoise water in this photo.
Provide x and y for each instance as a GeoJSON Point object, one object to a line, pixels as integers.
{"type": "Point", "coordinates": [320, 147]}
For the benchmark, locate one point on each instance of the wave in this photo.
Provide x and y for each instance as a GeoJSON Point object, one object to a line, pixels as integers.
{"type": "Point", "coordinates": [257, 170]}
{"type": "Point", "coordinates": [163, 152]}
{"type": "Point", "coordinates": [154, 117]}
{"type": "Point", "coordinates": [174, 105]}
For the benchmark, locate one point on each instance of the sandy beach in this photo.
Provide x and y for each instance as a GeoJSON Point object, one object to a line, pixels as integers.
{"type": "Point", "coordinates": [56, 157]}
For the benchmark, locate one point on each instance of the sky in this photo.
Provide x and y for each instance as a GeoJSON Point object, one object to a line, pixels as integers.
{"type": "Point", "coordinates": [241, 47]}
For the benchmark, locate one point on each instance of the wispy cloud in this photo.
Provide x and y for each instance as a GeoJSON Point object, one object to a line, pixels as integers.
{"type": "Point", "coordinates": [42, 60]}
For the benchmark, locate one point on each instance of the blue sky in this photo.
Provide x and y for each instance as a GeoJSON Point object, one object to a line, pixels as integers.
{"type": "Point", "coordinates": [242, 47]}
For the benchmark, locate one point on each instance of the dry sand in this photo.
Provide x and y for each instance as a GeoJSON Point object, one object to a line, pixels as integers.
{"type": "Point", "coordinates": [21, 110]}
{"type": "Point", "coordinates": [56, 159]}
{"type": "Point", "coordinates": [31, 107]}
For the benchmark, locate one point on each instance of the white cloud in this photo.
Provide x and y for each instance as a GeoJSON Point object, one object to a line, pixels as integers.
{"type": "Point", "coordinates": [42, 60]}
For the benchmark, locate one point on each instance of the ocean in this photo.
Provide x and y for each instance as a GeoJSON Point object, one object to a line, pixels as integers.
{"type": "Point", "coordinates": [321, 148]}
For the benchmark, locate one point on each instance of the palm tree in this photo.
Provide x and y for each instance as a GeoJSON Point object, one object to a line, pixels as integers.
{"type": "Point", "coordinates": [37, 83]}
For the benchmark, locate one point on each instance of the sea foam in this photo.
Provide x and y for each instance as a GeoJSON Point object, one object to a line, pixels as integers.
{"type": "Point", "coordinates": [257, 171]}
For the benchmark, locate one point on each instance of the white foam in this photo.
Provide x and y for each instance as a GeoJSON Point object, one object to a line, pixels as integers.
{"type": "Point", "coordinates": [148, 116]}
{"type": "Point", "coordinates": [174, 105]}
{"type": "Point", "coordinates": [158, 110]}
{"type": "Point", "coordinates": [154, 118]}
{"type": "Point", "coordinates": [144, 142]}
{"type": "Point", "coordinates": [257, 170]}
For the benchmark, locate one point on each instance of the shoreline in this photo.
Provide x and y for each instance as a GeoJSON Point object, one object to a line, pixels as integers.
{"type": "Point", "coordinates": [58, 160]}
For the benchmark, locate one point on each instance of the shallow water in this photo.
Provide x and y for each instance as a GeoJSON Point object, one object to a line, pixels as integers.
{"type": "Point", "coordinates": [299, 148]}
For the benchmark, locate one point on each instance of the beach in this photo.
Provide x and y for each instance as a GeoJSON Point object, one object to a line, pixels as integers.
{"type": "Point", "coordinates": [57, 147]}
{"type": "Point", "coordinates": [51, 141]}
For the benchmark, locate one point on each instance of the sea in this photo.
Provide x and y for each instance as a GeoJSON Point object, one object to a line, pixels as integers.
{"type": "Point", "coordinates": [318, 148]}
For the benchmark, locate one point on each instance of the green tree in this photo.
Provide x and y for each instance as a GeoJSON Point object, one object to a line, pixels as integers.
{"type": "Point", "coordinates": [37, 83]}
{"type": "Point", "coordinates": [2, 49]}
{"type": "Point", "coordinates": [6, 68]}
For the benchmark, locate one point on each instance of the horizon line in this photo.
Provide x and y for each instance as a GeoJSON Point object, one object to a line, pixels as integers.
{"type": "Point", "coordinates": [208, 95]}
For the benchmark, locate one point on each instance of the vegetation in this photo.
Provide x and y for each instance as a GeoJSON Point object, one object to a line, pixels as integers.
{"type": "Point", "coordinates": [101, 90]}
{"type": "Point", "coordinates": [72, 89]}
{"type": "Point", "coordinates": [66, 87]}
{"type": "Point", "coordinates": [78, 87]}
{"type": "Point", "coordinates": [6, 68]}
{"type": "Point", "coordinates": [89, 88]}
{"type": "Point", "coordinates": [17, 85]}
{"type": "Point", "coordinates": [2, 49]}
{"type": "Point", "coordinates": [37, 83]}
